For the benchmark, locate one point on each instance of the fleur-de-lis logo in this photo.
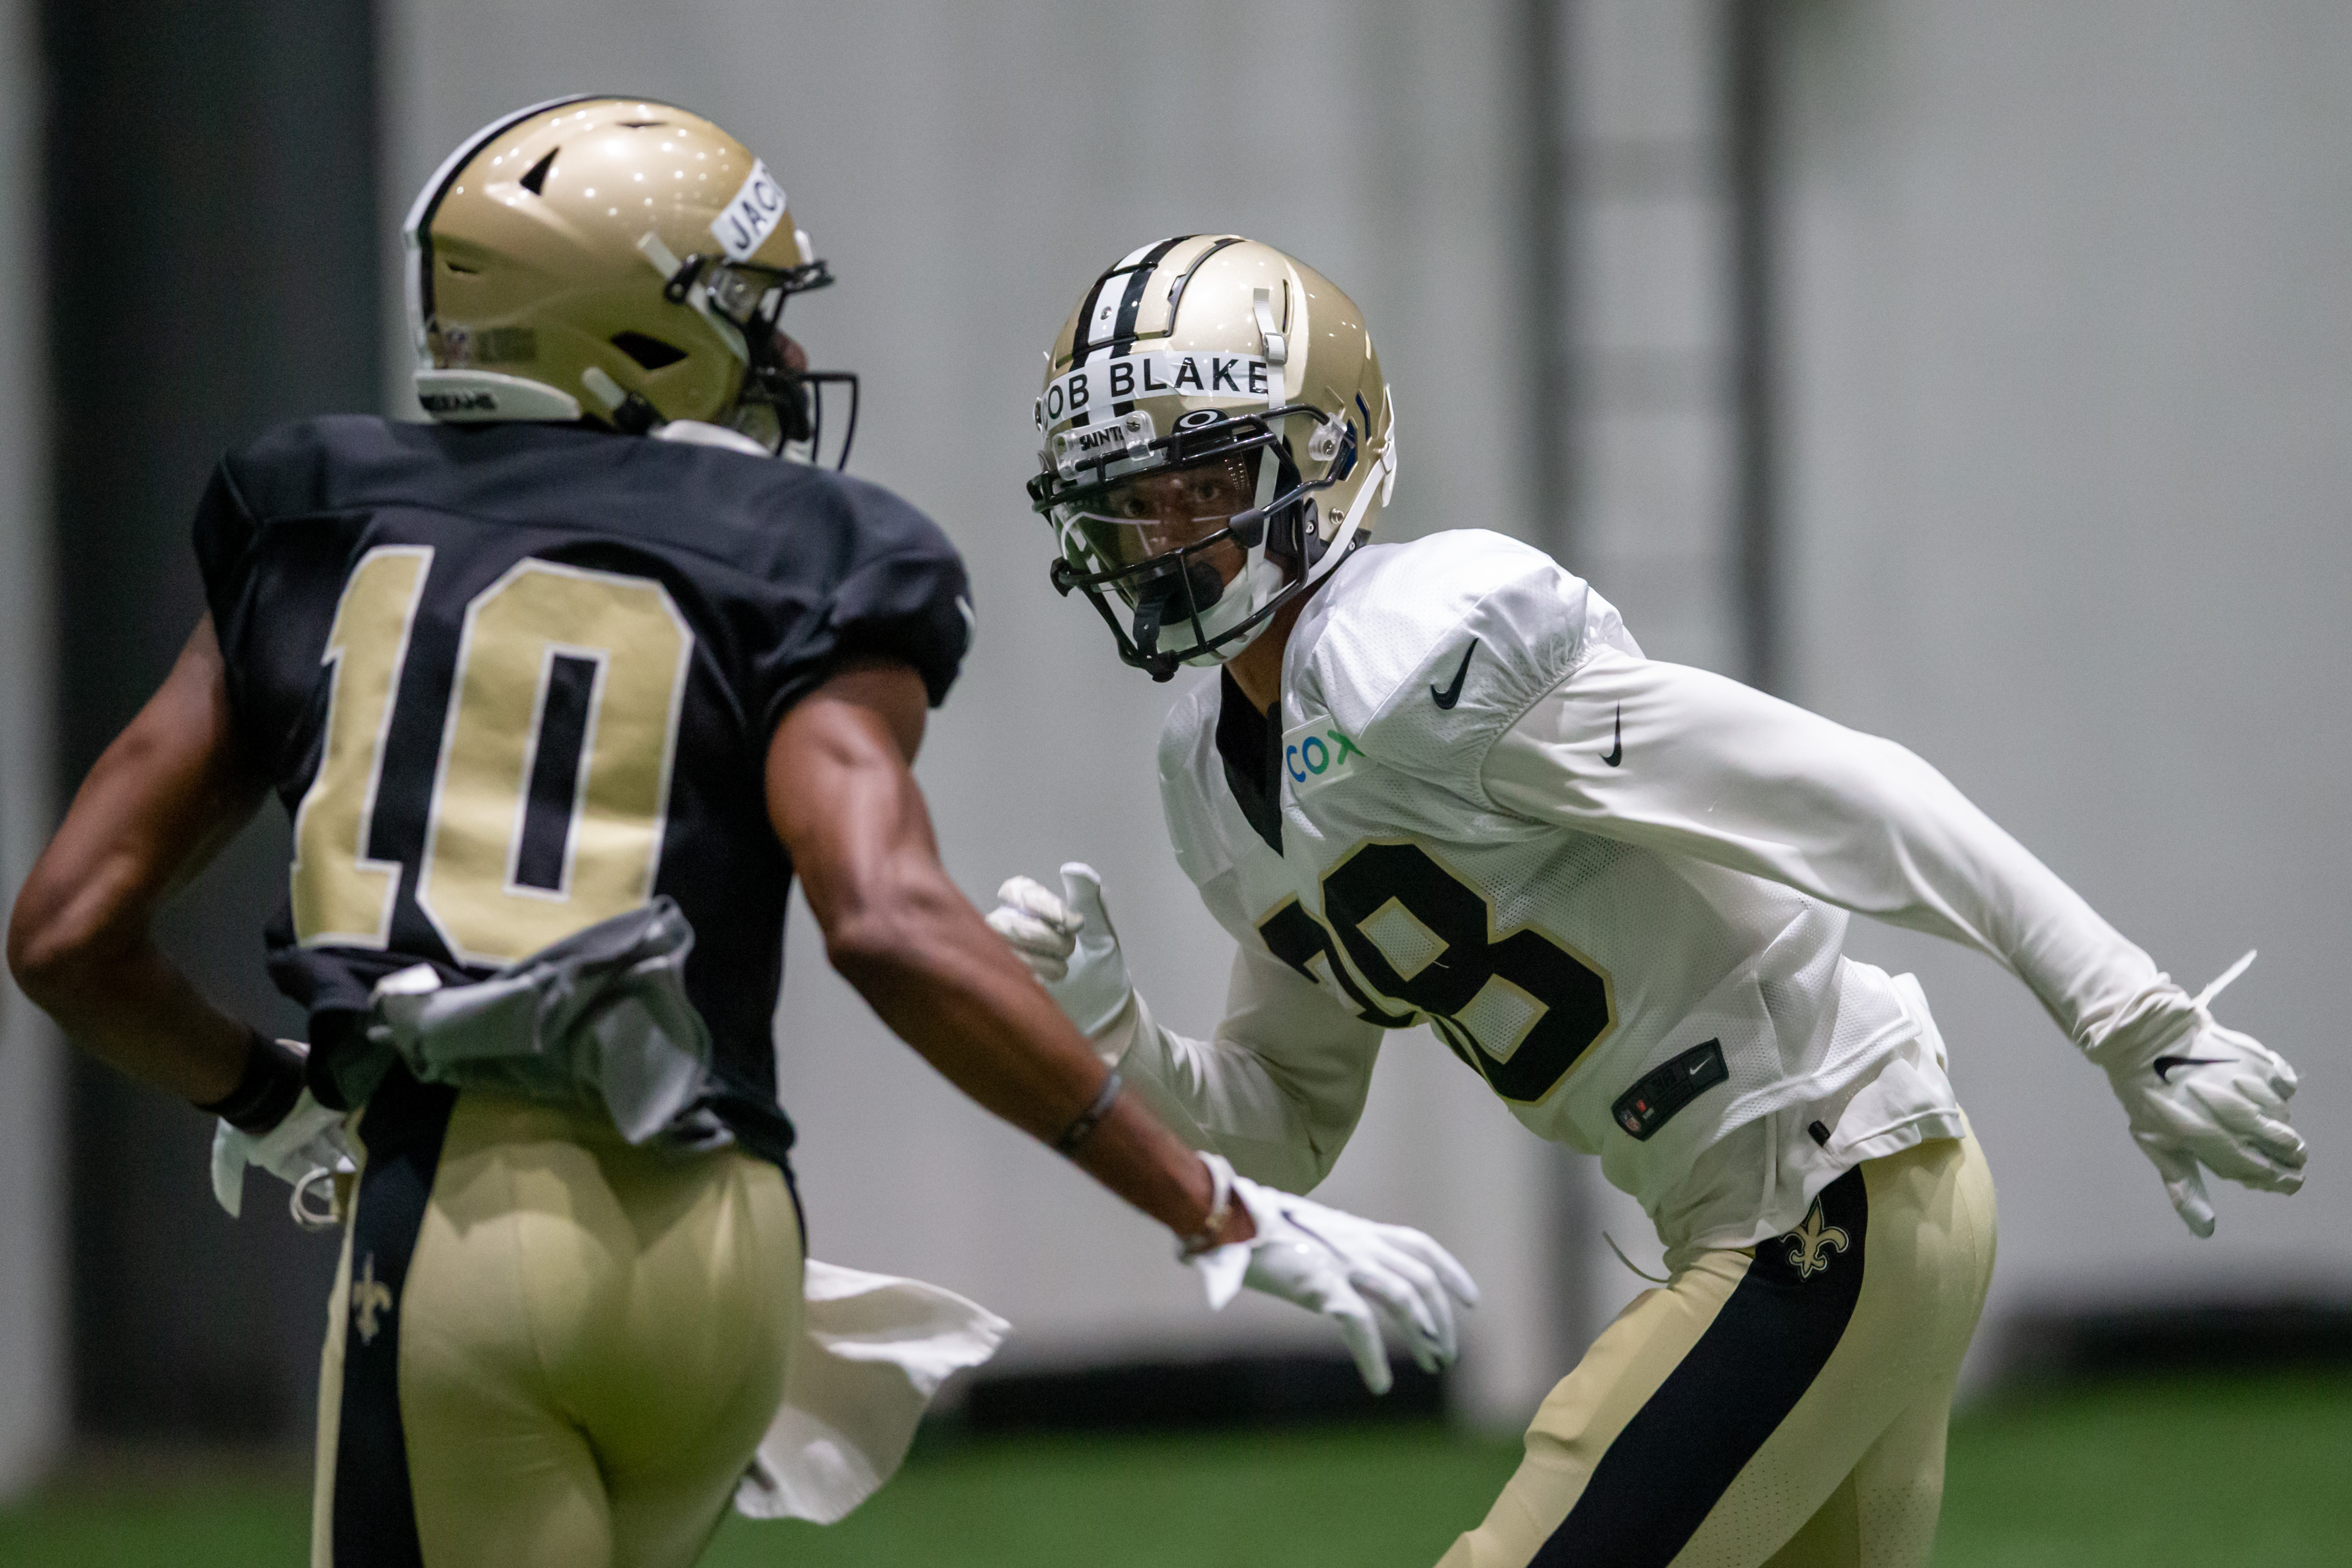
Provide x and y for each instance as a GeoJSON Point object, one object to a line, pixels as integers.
{"type": "Point", "coordinates": [369, 1296]}
{"type": "Point", "coordinates": [1814, 1241]}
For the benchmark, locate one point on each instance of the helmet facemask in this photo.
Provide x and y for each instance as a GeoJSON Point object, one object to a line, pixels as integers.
{"type": "Point", "coordinates": [1202, 538]}
{"type": "Point", "coordinates": [780, 404]}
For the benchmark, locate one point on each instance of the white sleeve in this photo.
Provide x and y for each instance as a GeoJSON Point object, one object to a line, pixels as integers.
{"type": "Point", "coordinates": [1679, 759]}
{"type": "Point", "coordinates": [1279, 1087]}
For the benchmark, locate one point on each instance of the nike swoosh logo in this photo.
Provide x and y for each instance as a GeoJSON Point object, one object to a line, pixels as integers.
{"type": "Point", "coordinates": [1452, 694]}
{"type": "Point", "coordinates": [2164, 1065]}
{"type": "Point", "coordinates": [1617, 755]}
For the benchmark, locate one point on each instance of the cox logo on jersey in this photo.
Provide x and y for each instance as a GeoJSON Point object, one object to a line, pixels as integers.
{"type": "Point", "coordinates": [1314, 753]}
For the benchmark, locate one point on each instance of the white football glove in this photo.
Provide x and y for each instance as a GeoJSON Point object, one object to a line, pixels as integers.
{"type": "Point", "coordinates": [1068, 943]}
{"type": "Point", "coordinates": [306, 1147]}
{"type": "Point", "coordinates": [2199, 1095]}
{"type": "Point", "coordinates": [1329, 1261]}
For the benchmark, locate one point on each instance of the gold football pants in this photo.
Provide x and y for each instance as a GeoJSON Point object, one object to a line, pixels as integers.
{"type": "Point", "coordinates": [1782, 1404]}
{"type": "Point", "coordinates": [545, 1347]}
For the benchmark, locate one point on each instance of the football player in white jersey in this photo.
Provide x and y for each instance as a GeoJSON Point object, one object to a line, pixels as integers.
{"type": "Point", "coordinates": [1439, 782]}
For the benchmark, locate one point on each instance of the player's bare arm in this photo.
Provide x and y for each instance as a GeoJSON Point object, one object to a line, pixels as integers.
{"type": "Point", "coordinates": [845, 805]}
{"type": "Point", "coordinates": [159, 803]}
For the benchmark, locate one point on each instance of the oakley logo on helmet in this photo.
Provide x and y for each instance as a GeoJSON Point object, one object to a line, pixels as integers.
{"type": "Point", "coordinates": [746, 222]}
{"type": "Point", "coordinates": [1159, 373]}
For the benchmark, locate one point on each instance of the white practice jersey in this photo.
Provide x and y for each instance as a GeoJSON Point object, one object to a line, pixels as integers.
{"type": "Point", "coordinates": [1605, 882]}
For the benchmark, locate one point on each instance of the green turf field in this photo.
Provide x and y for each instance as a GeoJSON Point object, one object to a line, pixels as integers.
{"type": "Point", "coordinates": [2145, 1473]}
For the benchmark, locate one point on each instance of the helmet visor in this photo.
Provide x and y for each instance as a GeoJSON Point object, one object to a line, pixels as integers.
{"type": "Point", "coordinates": [1173, 522]}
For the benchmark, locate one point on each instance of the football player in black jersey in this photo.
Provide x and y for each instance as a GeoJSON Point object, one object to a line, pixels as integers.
{"type": "Point", "coordinates": [562, 690]}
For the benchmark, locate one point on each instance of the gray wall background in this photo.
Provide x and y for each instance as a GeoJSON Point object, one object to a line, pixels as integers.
{"type": "Point", "coordinates": [2068, 394]}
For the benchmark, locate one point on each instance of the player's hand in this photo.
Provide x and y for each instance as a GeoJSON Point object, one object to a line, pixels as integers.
{"type": "Point", "coordinates": [1068, 943]}
{"type": "Point", "coordinates": [2202, 1097]}
{"type": "Point", "coordinates": [1329, 1262]}
{"type": "Point", "coordinates": [309, 1140]}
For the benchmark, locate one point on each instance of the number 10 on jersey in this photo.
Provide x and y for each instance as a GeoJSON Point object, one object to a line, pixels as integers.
{"type": "Point", "coordinates": [611, 650]}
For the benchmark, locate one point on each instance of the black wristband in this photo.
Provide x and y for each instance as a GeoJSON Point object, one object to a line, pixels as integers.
{"type": "Point", "coordinates": [272, 1082]}
{"type": "Point", "coordinates": [1078, 1132]}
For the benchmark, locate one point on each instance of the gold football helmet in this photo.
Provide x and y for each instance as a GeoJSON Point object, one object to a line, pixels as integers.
{"type": "Point", "coordinates": [612, 258]}
{"type": "Point", "coordinates": [1214, 434]}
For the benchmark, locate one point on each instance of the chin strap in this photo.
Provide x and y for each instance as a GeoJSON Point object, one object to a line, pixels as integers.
{"type": "Point", "coordinates": [1278, 345]}
{"type": "Point", "coordinates": [1147, 611]}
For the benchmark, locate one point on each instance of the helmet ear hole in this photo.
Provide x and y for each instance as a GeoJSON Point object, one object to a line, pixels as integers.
{"type": "Point", "coordinates": [535, 182]}
{"type": "Point", "coordinates": [650, 353]}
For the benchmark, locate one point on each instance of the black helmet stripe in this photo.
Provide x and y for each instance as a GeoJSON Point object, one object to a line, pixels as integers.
{"type": "Point", "coordinates": [1078, 345]}
{"type": "Point", "coordinates": [1136, 268]}
{"type": "Point", "coordinates": [1131, 303]}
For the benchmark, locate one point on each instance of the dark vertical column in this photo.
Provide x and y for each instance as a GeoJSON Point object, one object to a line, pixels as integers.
{"type": "Point", "coordinates": [1548, 438]}
{"type": "Point", "coordinates": [212, 216]}
{"type": "Point", "coordinates": [1751, 35]}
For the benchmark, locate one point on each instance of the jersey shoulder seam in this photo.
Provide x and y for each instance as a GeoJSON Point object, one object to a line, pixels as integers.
{"type": "Point", "coordinates": [685, 547]}
{"type": "Point", "coordinates": [1404, 693]}
{"type": "Point", "coordinates": [1587, 647]}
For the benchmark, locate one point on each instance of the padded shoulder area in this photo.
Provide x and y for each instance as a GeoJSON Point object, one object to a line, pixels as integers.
{"type": "Point", "coordinates": [1425, 652]}
{"type": "Point", "coordinates": [722, 501]}
{"type": "Point", "coordinates": [307, 466]}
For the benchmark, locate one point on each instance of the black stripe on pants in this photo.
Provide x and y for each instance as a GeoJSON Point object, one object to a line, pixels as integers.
{"type": "Point", "coordinates": [1687, 1445]}
{"type": "Point", "coordinates": [374, 1523]}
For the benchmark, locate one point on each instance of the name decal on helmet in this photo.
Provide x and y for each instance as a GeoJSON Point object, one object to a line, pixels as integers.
{"type": "Point", "coordinates": [747, 221]}
{"type": "Point", "coordinates": [459, 402]}
{"type": "Point", "coordinates": [1163, 372]}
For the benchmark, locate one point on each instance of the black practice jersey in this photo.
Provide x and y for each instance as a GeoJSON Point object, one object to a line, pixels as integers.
{"type": "Point", "coordinates": [513, 680]}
